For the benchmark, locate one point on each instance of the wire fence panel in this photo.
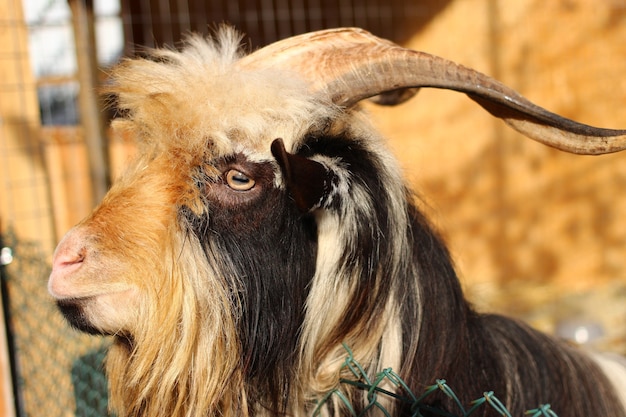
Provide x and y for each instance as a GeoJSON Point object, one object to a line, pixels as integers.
{"type": "Point", "coordinates": [60, 370]}
{"type": "Point", "coordinates": [375, 388]}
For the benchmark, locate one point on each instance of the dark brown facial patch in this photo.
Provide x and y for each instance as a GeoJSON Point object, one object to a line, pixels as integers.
{"type": "Point", "coordinates": [243, 209]}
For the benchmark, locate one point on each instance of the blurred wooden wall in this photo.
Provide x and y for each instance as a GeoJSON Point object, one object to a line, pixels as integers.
{"type": "Point", "coordinates": [24, 198]}
{"type": "Point", "coordinates": [527, 224]}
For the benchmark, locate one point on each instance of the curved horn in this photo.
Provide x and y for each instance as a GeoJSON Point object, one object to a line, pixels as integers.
{"type": "Point", "coordinates": [352, 64]}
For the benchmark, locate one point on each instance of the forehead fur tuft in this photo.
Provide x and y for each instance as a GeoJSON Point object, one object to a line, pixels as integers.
{"type": "Point", "coordinates": [197, 96]}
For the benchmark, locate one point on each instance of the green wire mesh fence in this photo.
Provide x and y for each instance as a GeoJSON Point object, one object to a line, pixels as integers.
{"type": "Point", "coordinates": [59, 371]}
{"type": "Point", "coordinates": [418, 407]}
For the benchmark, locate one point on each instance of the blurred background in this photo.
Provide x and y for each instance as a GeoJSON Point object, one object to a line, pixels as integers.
{"type": "Point", "coordinates": [535, 233]}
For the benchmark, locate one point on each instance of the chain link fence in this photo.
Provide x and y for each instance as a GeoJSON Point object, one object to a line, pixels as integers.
{"type": "Point", "coordinates": [374, 387]}
{"type": "Point", "coordinates": [58, 370]}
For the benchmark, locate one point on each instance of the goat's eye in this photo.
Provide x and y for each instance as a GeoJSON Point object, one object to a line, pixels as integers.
{"type": "Point", "coordinates": [239, 181]}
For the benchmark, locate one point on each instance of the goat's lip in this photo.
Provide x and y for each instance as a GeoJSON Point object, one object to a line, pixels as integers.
{"type": "Point", "coordinates": [68, 295]}
{"type": "Point", "coordinates": [74, 289]}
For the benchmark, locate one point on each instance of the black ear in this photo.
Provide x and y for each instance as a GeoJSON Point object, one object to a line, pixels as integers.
{"type": "Point", "coordinates": [308, 182]}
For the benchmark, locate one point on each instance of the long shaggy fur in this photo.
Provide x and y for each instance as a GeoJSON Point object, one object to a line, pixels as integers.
{"type": "Point", "coordinates": [241, 303]}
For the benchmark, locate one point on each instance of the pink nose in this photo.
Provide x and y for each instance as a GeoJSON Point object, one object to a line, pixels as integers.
{"type": "Point", "coordinates": [68, 259]}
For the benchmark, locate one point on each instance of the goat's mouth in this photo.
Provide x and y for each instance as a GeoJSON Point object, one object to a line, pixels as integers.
{"type": "Point", "coordinates": [74, 313]}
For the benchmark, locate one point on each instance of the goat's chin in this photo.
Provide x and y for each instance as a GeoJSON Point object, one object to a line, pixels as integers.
{"type": "Point", "coordinates": [75, 315]}
{"type": "Point", "coordinates": [104, 315]}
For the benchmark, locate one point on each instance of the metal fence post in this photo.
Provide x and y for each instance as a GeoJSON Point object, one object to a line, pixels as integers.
{"type": "Point", "coordinates": [90, 112]}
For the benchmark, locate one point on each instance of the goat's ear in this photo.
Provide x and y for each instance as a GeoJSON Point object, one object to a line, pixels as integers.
{"type": "Point", "coordinates": [308, 181]}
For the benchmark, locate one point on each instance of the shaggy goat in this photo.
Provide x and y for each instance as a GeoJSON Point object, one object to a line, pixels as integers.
{"type": "Point", "coordinates": [264, 226]}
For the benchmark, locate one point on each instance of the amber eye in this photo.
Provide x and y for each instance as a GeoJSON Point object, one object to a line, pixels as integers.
{"type": "Point", "coordinates": [239, 181]}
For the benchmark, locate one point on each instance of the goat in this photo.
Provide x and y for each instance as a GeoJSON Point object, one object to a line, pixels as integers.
{"type": "Point", "coordinates": [264, 227]}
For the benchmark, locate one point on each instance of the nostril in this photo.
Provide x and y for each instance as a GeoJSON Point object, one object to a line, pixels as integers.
{"type": "Point", "coordinates": [68, 259]}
